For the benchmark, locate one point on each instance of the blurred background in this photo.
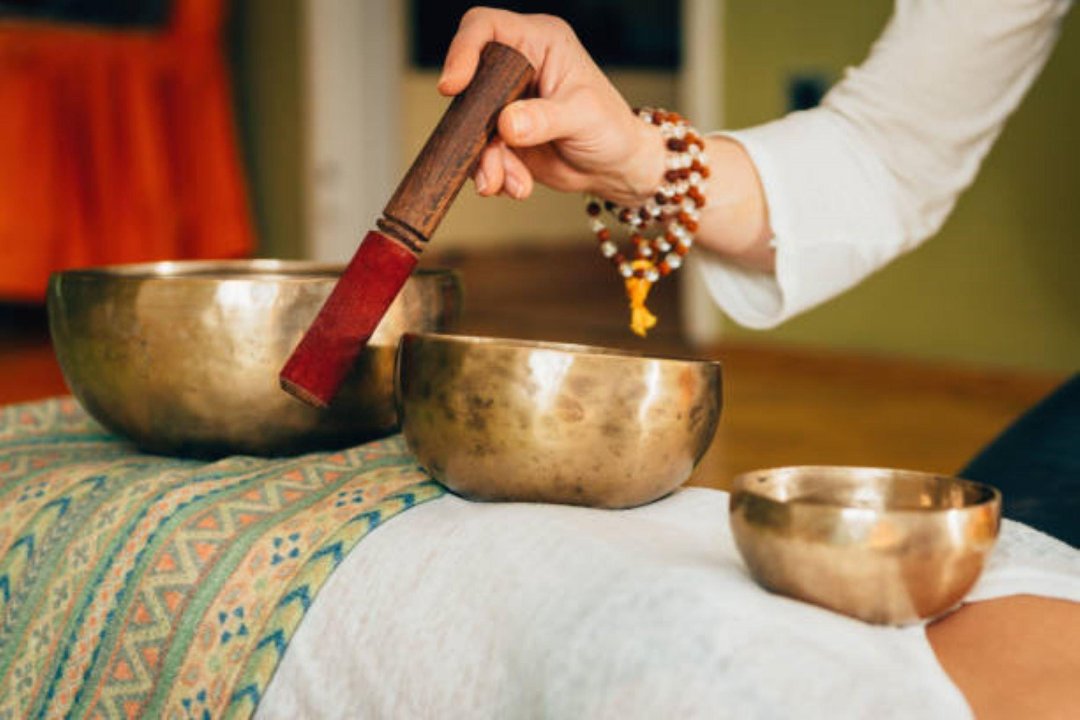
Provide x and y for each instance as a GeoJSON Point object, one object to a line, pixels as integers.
{"type": "Point", "coordinates": [138, 130]}
{"type": "Point", "coordinates": [996, 287]}
{"type": "Point", "coordinates": [152, 129]}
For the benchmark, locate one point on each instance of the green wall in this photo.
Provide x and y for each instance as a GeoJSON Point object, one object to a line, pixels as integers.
{"type": "Point", "coordinates": [999, 284]}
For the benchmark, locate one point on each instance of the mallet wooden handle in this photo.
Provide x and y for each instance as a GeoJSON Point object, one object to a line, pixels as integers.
{"type": "Point", "coordinates": [449, 156]}
{"type": "Point", "coordinates": [384, 260]}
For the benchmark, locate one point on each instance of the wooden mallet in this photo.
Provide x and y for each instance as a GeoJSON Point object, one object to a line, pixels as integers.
{"type": "Point", "coordinates": [387, 256]}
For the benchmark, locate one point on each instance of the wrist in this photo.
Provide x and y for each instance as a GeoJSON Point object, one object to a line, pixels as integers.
{"type": "Point", "coordinates": [641, 171]}
{"type": "Point", "coordinates": [644, 170]}
{"type": "Point", "coordinates": [665, 191]}
{"type": "Point", "coordinates": [735, 223]}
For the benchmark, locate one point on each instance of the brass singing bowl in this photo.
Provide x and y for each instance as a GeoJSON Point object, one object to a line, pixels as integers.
{"type": "Point", "coordinates": [183, 357]}
{"type": "Point", "coordinates": [885, 546]}
{"type": "Point", "coordinates": [515, 420]}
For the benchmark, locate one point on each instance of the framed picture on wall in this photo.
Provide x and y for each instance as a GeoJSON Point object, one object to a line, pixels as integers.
{"type": "Point", "coordinates": [618, 33]}
{"type": "Point", "coordinates": [111, 13]}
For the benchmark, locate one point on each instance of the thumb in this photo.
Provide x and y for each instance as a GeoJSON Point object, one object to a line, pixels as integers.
{"type": "Point", "coordinates": [536, 121]}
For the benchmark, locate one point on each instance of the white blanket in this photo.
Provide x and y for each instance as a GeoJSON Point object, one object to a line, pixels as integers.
{"type": "Point", "coordinates": [467, 610]}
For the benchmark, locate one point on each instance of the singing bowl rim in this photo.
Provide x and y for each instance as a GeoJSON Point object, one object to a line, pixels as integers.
{"type": "Point", "coordinates": [986, 496]}
{"type": "Point", "coordinates": [597, 352]}
{"type": "Point", "coordinates": [216, 271]}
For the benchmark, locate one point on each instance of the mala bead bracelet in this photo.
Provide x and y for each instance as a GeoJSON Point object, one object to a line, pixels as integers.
{"type": "Point", "coordinates": [672, 213]}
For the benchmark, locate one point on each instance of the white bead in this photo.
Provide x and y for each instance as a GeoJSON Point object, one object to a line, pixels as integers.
{"type": "Point", "coordinates": [666, 129]}
{"type": "Point", "coordinates": [646, 116]}
{"type": "Point", "coordinates": [688, 204]}
{"type": "Point", "coordinates": [597, 225]}
{"type": "Point", "coordinates": [652, 274]}
{"type": "Point", "coordinates": [654, 210]}
{"type": "Point", "coordinates": [680, 131]}
{"type": "Point", "coordinates": [686, 240]}
{"type": "Point", "coordinates": [626, 270]}
{"type": "Point", "coordinates": [693, 214]}
{"type": "Point", "coordinates": [681, 187]}
{"type": "Point", "coordinates": [662, 244]}
{"type": "Point", "coordinates": [635, 220]}
{"type": "Point", "coordinates": [608, 249]}
{"type": "Point", "coordinates": [646, 251]}
{"type": "Point", "coordinates": [672, 162]}
{"type": "Point", "coordinates": [702, 158]}
{"type": "Point", "coordinates": [677, 230]}
{"type": "Point", "coordinates": [687, 161]}
{"type": "Point", "coordinates": [695, 178]}
{"type": "Point", "coordinates": [673, 261]}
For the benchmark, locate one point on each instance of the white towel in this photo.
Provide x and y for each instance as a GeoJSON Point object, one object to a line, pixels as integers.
{"type": "Point", "coordinates": [469, 610]}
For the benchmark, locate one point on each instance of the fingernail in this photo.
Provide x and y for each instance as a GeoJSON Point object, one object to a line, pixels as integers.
{"type": "Point", "coordinates": [481, 181]}
{"type": "Point", "coordinates": [513, 186]}
{"type": "Point", "coordinates": [520, 123]}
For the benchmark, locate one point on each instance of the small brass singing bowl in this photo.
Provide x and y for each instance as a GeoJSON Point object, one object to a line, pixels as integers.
{"type": "Point", "coordinates": [183, 358]}
{"type": "Point", "coordinates": [513, 420]}
{"type": "Point", "coordinates": [885, 546]}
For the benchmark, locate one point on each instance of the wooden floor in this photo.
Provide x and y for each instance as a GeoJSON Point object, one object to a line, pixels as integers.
{"type": "Point", "coordinates": [782, 406]}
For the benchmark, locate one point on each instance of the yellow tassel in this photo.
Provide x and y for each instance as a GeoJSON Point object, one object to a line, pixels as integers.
{"type": "Point", "coordinates": [637, 290]}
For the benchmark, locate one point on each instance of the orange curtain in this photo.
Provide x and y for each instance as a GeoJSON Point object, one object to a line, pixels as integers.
{"type": "Point", "coordinates": [116, 146]}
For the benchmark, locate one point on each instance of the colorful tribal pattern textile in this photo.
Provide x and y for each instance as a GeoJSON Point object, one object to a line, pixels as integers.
{"type": "Point", "coordinates": [136, 585]}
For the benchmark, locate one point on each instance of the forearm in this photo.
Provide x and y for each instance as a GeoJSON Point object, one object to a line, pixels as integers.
{"type": "Point", "coordinates": [735, 220]}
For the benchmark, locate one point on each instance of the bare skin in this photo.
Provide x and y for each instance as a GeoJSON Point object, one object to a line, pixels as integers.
{"type": "Point", "coordinates": [1015, 657]}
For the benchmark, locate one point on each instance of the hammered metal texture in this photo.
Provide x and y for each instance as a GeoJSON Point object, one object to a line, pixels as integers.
{"type": "Point", "coordinates": [545, 422]}
{"type": "Point", "coordinates": [885, 546]}
{"type": "Point", "coordinates": [183, 357]}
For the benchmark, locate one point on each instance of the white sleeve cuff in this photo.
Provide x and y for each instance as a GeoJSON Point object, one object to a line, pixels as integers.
{"type": "Point", "coordinates": [830, 207]}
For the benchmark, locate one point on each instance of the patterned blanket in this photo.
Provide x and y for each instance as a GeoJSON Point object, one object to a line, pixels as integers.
{"type": "Point", "coordinates": [133, 585]}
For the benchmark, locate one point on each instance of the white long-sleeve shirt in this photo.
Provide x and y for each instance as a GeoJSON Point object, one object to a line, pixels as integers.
{"type": "Point", "coordinates": [877, 167]}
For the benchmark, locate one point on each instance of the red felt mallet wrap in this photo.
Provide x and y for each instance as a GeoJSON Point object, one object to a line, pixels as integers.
{"type": "Point", "coordinates": [347, 320]}
{"type": "Point", "coordinates": [387, 257]}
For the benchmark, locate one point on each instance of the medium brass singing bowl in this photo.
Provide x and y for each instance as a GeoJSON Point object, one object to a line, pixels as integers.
{"type": "Point", "coordinates": [183, 357]}
{"type": "Point", "coordinates": [885, 546]}
{"type": "Point", "coordinates": [514, 420]}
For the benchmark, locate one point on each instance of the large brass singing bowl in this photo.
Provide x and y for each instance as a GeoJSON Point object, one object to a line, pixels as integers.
{"type": "Point", "coordinates": [885, 546]}
{"type": "Point", "coordinates": [183, 357]}
{"type": "Point", "coordinates": [544, 422]}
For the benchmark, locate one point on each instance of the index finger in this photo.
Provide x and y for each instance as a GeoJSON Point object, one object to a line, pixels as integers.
{"type": "Point", "coordinates": [478, 27]}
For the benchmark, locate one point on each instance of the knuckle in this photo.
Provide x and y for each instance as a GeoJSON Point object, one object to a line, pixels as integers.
{"type": "Point", "coordinates": [554, 24]}
{"type": "Point", "coordinates": [475, 12]}
{"type": "Point", "coordinates": [477, 15]}
{"type": "Point", "coordinates": [538, 115]}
